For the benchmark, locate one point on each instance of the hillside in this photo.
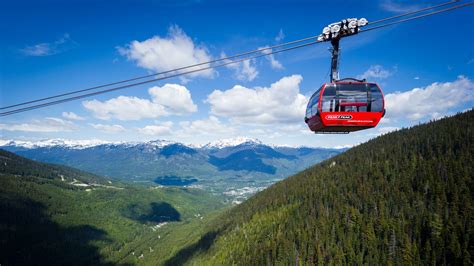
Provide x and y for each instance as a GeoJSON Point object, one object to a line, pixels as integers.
{"type": "Point", "coordinates": [402, 198]}
{"type": "Point", "coordinates": [20, 166]}
{"type": "Point", "coordinates": [55, 215]}
{"type": "Point", "coordinates": [226, 167]}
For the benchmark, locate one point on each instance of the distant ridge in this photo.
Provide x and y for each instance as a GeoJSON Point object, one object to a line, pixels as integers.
{"type": "Point", "coordinates": [78, 144]}
{"type": "Point", "coordinates": [224, 166]}
{"type": "Point", "coordinates": [89, 143]}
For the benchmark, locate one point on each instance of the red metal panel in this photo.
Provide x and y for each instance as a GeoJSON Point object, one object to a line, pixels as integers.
{"type": "Point", "coordinates": [344, 121]}
{"type": "Point", "coordinates": [362, 119]}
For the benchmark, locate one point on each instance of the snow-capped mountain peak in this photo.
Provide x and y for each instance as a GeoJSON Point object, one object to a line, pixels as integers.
{"type": "Point", "coordinates": [152, 144]}
{"type": "Point", "coordinates": [79, 144]}
{"type": "Point", "coordinates": [72, 144]}
{"type": "Point", "coordinates": [159, 143]}
{"type": "Point", "coordinates": [223, 143]}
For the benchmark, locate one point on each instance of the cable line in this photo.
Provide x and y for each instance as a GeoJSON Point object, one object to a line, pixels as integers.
{"type": "Point", "coordinates": [210, 62]}
{"type": "Point", "coordinates": [227, 61]}
{"type": "Point", "coordinates": [164, 72]}
{"type": "Point", "coordinates": [24, 109]}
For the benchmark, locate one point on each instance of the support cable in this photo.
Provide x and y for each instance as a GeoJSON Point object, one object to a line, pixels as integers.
{"type": "Point", "coordinates": [261, 50]}
{"type": "Point", "coordinates": [28, 108]}
{"type": "Point", "coordinates": [226, 60]}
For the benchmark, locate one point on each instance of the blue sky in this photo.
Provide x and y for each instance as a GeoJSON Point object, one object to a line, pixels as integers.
{"type": "Point", "coordinates": [425, 67]}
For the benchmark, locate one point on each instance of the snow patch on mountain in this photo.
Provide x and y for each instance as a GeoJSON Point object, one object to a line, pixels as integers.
{"type": "Point", "coordinates": [72, 144]}
{"type": "Point", "coordinates": [153, 144]}
{"type": "Point", "coordinates": [159, 143]}
{"type": "Point", "coordinates": [78, 144]}
{"type": "Point", "coordinates": [232, 142]}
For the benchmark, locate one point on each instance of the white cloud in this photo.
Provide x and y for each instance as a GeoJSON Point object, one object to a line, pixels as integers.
{"type": "Point", "coordinates": [158, 129]}
{"type": "Point", "coordinates": [384, 130]}
{"type": "Point", "coordinates": [125, 108]}
{"type": "Point", "coordinates": [165, 53]}
{"type": "Point", "coordinates": [279, 131]}
{"type": "Point", "coordinates": [245, 71]}
{"type": "Point", "coordinates": [175, 98]}
{"type": "Point", "coordinates": [279, 103]}
{"type": "Point", "coordinates": [275, 64]}
{"type": "Point", "coordinates": [72, 116]}
{"type": "Point", "coordinates": [375, 71]}
{"type": "Point", "coordinates": [416, 78]}
{"type": "Point", "coordinates": [210, 126]}
{"type": "Point", "coordinates": [398, 6]}
{"type": "Point", "coordinates": [44, 49]}
{"type": "Point", "coordinates": [433, 101]}
{"type": "Point", "coordinates": [280, 36]}
{"type": "Point", "coordinates": [167, 100]}
{"type": "Point", "coordinates": [49, 124]}
{"type": "Point", "coordinates": [108, 128]}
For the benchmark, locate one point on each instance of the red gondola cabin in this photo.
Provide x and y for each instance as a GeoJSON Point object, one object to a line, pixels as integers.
{"type": "Point", "coordinates": [345, 106]}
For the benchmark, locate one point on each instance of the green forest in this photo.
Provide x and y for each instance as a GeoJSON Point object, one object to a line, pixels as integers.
{"type": "Point", "coordinates": [402, 198]}
{"type": "Point", "coordinates": [50, 217]}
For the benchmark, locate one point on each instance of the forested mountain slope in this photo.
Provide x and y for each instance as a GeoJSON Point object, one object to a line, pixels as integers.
{"type": "Point", "coordinates": [20, 166]}
{"type": "Point", "coordinates": [402, 198]}
{"type": "Point", "coordinates": [55, 215]}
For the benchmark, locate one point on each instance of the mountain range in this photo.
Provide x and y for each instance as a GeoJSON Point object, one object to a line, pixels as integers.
{"type": "Point", "coordinates": [233, 167]}
{"type": "Point", "coordinates": [404, 198]}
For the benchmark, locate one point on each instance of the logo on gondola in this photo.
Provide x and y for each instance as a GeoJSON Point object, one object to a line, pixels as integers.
{"type": "Point", "coordinates": [339, 117]}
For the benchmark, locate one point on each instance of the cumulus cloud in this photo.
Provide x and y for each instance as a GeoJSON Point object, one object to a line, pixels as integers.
{"type": "Point", "coordinates": [279, 103]}
{"type": "Point", "coordinates": [108, 128]}
{"type": "Point", "coordinates": [433, 101]}
{"type": "Point", "coordinates": [72, 116]}
{"type": "Point", "coordinates": [210, 126]}
{"type": "Point", "coordinates": [125, 108]}
{"type": "Point", "coordinates": [375, 71]}
{"type": "Point", "coordinates": [275, 64]}
{"type": "Point", "coordinates": [157, 130]}
{"type": "Point", "coordinates": [165, 53]}
{"type": "Point", "coordinates": [281, 130]}
{"type": "Point", "coordinates": [175, 98]}
{"type": "Point", "coordinates": [171, 99]}
{"type": "Point", "coordinates": [50, 48]}
{"type": "Point", "coordinates": [49, 124]}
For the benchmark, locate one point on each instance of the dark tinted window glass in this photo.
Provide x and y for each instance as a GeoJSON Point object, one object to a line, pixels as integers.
{"type": "Point", "coordinates": [352, 97]}
{"type": "Point", "coordinates": [314, 108]}
{"type": "Point", "coordinates": [308, 108]}
{"type": "Point", "coordinates": [376, 104]}
{"type": "Point", "coordinates": [311, 109]}
{"type": "Point", "coordinates": [329, 99]}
